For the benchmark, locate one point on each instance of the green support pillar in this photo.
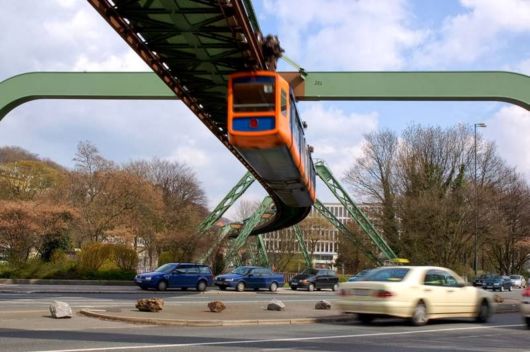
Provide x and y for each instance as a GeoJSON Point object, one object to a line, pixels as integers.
{"type": "Point", "coordinates": [234, 194]}
{"type": "Point", "coordinates": [356, 214]}
{"type": "Point", "coordinates": [248, 226]}
{"type": "Point", "coordinates": [301, 244]}
{"type": "Point", "coordinates": [225, 230]}
{"type": "Point", "coordinates": [325, 212]}
{"type": "Point", "coordinates": [262, 252]}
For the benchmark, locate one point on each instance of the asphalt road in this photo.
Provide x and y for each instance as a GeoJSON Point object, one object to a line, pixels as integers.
{"type": "Point", "coordinates": [25, 325]}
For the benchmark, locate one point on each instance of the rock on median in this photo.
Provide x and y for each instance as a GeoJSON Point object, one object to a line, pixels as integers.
{"type": "Point", "coordinates": [60, 310]}
{"type": "Point", "coordinates": [150, 304]}
{"type": "Point", "coordinates": [323, 305]}
{"type": "Point", "coordinates": [276, 304]}
{"type": "Point", "coordinates": [216, 306]}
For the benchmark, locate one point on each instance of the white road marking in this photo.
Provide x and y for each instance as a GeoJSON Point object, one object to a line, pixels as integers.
{"type": "Point", "coordinates": [291, 339]}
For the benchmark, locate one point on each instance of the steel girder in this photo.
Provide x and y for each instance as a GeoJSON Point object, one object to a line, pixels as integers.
{"type": "Point", "coordinates": [234, 194]}
{"type": "Point", "coordinates": [356, 214]}
{"type": "Point", "coordinates": [325, 212]}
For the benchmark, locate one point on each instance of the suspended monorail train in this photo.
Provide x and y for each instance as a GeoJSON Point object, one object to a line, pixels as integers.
{"type": "Point", "coordinates": [265, 128]}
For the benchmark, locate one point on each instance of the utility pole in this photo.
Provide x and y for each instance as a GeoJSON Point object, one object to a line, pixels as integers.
{"type": "Point", "coordinates": [475, 249]}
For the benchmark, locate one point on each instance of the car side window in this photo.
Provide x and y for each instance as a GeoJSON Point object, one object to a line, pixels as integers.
{"type": "Point", "coordinates": [192, 270]}
{"type": "Point", "coordinates": [204, 270]}
{"type": "Point", "coordinates": [179, 270]}
{"type": "Point", "coordinates": [433, 278]}
{"type": "Point", "coordinates": [450, 280]}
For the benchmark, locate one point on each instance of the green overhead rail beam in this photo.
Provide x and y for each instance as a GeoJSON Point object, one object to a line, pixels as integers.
{"type": "Point", "coordinates": [325, 212]}
{"type": "Point", "coordinates": [423, 86]}
{"type": "Point", "coordinates": [356, 214]}
{"type": "Point", "coordinates": [26, 87]}
{"type": "Point", "coordinates": [234, 194]}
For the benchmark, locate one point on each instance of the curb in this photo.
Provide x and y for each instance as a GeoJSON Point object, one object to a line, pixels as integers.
{"type": "Point", "coordinates": [66, 282]}
{"type": "Point", "coordinates": [213, 323]}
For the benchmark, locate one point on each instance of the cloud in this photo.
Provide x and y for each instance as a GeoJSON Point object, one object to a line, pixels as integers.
{"type": "Point", "coordinates": [510, 129]}
{"type": "Point", "coordinates": [337, 135]}
{"type": "Point", "coordinates": [470, 36]}
{"type": "Point", "coordinates": [348, 35]}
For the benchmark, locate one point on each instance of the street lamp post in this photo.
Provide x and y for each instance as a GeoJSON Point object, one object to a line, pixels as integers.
{"type": "Point", "coordinates": [475, 250]}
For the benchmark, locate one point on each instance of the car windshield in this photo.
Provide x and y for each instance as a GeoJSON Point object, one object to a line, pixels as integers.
{"type": "Point", "coordinates": [165, 268]}
{"type": "Point", "coordinates": [242, 270]}
{"type": "Point", "coordinates": [310, 272]}
{"type": "Point", "coordinates": [387, 274]}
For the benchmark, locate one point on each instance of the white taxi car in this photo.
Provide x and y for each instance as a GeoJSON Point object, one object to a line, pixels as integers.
{"type": "Point", "coordinates": [525, 305]}
{"type": "Point", "coordinates": [418, 293]}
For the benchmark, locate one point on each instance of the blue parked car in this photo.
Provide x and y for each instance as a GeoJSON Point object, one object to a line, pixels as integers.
{"type": "Point", "coordinates": [176, 275]}
{"type": "Point", "coordinates": [255, 277]}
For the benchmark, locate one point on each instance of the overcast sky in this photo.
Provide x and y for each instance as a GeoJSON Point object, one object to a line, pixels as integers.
{"type": "Point", "coordinates": [398, 35]}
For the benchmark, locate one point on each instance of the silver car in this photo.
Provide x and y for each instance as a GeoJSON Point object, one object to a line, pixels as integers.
{"type": "Point", "coordinates": [518, 281]}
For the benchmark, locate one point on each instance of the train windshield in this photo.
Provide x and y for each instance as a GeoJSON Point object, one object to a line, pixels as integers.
{"type": "Point", "coordinates": [253, 94]}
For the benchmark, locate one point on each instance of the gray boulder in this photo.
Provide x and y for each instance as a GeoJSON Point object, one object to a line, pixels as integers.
{"type": "Point", "coordinates": [276, 304]}
{"type": "Point", "coordinates": [323, 305]}
{"type": "Point", "coordinates": [60, 310]}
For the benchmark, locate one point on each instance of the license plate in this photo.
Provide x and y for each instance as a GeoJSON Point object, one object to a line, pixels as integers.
{"type": "Point", "coordinates": [360, 292]}
{"type": "Point", "coordinates": [294, 284]}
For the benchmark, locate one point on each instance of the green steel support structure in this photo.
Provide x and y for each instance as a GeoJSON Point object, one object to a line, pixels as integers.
{"type": "Point", "coordinates": [234, 194]}
{"type": "Point", "coordinates": [345, 231]}
{"type": "Point", "coordinates": [458, 86]}
{"type": "Point", "coordinates": [262, 252]}
{"type": "Point", "coordinates": [225, 230]}
{"type": "Point", "coordinates": [301, 244]}
{"type": "Point", "coordinates": [248, 226]}
{"type": "Point", "coordinates": [356, 214]}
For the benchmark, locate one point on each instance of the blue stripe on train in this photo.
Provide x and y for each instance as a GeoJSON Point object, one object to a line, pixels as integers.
{"type": "Point", "coordinates": [244, 124]}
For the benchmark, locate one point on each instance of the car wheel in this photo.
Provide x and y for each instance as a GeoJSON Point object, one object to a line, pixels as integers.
{"type": "Point", "coordinates": [222, 288]}
{"type": "Point", "coordinates": [311, 287]}
{"type": "Point", "coordinates": [484, 312]}
{"type": "Point", "coordinates": [365, 318]}
{"type": "Point", "coordinates": [335, 287]}
{"type": "Point", "coordinates": [527, 322]}
{"type": "Point", "coordinates": [240, 287]}
{"type": "Point", "coordinates": [294, 288]}
{"type": "Point", "coordinates": [273, 287]}
{"type": "Point", "coordinates": [162, 286]}
{"type": "Point", "coordinates": [201, 286]}
{"type": "Point", "coordinates": [419, 316]}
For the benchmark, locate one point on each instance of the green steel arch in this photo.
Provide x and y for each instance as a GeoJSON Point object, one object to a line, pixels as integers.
{"type": "Point", "coordinates": [436, 86]}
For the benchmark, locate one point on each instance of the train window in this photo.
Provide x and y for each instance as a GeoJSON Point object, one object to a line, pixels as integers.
{"type": "Point", "coordinates": [253, 94]}
{"type": "Point", "coordinates": [284, 102]}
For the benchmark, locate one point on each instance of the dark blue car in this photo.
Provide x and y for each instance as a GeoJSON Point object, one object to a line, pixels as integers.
{"type": "Point", "coordinates": [254, 277]}
{"type": "Point", "coordinates": [176, 275]}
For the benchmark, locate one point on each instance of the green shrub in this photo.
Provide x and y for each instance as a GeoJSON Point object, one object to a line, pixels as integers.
{"type": "Point", "coordinates": [125, 258]}
{"type": "Point", "coordinates": [94, 255]}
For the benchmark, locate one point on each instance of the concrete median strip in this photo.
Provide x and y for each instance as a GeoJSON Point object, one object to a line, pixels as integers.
{"type": "Point", "coordinates": [214, 322]}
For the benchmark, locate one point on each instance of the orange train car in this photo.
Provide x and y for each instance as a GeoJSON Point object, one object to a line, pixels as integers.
{"type": "Point", "coordinates": [265, 127]}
